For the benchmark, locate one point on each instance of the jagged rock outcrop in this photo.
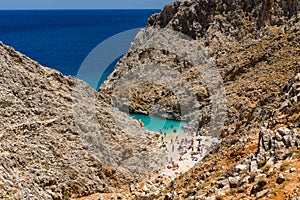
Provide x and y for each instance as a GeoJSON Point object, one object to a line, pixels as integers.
{"type": "Point", "coordinates": [57, 140]}
{"type": "Point", "coordinates": [195, 18]}
{"type": "Point", "coordinates": [290, 103]}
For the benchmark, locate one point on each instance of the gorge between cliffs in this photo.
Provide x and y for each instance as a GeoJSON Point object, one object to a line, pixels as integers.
{"type": "Point", "coordinates": [231, 69]}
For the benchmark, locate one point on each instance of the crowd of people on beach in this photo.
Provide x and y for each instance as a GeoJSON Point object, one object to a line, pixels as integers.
{"type": "Point", "coordinates": [183, 146]}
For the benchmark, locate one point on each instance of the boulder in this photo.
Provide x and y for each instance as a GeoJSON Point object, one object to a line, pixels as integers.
{"type": "Point", "coordinates": [280, 179]}
{"type": "Point", "coordinates": [288, 141]}
{"type": "Point", "coordinates": [222, 183]}
{"type": "Point", "coordinates": [283, 131]}
{"type": "Point", "coordinates": [240, 168]}
{"type": "Point", "coordinates": [233, 182]}
{"type": "Point", "coordinates": [259, 183]}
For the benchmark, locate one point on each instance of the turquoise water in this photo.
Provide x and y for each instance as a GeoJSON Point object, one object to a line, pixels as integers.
{"type": "Point", "coordinates": [153, 123]}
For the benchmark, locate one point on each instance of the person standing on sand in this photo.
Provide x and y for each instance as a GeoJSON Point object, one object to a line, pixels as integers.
{"type": "Point", "coordinates": [141, 123]}
{"type": "Point", "coordinates": [200, 139]}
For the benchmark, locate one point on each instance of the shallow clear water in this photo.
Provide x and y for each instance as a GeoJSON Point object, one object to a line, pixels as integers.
{"type": "Point", "coordinates": [153, 123]}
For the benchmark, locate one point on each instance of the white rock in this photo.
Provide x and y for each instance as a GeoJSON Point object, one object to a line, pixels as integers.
{"type": "Point", "coordinates": [261, 193]}
{"type": "Point", "coordinates": [254, 166]}
{"type": "Point", "coordinates": [241, 167]}
{"type": "Point", "coordinates": [292, 169]}
{"type": "Point", "coordinates": [270, 161]}
{"type": "Point", "coordinates": [146, 189]}
{"type": "Point", "coordinates": [246, 179]}
{"type": "Point", "coordinates": [258, 177]}
{"type": "Point", "coordinates": [233, 181]}
{"type": "Point", "coordinates": [270, 171]}
{"type": "Point", "coordinates": [283, 131]}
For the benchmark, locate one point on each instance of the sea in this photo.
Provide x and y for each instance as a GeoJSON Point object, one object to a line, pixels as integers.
{"type": "Point", "coordinates": [63, 39]}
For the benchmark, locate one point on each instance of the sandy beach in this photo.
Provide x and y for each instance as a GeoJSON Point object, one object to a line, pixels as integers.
{"type": "Point", "coordinates": [183, 151]}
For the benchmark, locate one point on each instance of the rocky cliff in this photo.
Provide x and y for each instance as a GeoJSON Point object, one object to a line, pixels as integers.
{"type": "Point", "coordinates": [243, 50]}
{"type": "Point", "coordinates": [59, 141]}
{"type": "Point", "coordinates": [255, 47]}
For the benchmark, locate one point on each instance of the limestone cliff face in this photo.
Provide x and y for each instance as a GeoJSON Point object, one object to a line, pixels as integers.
{"type": "Point", "coordinates": [246, 41]}
{"type": "Point", "coordinates": [57, 140]}
{"type": "Point", "coordinates": [255, 46]}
